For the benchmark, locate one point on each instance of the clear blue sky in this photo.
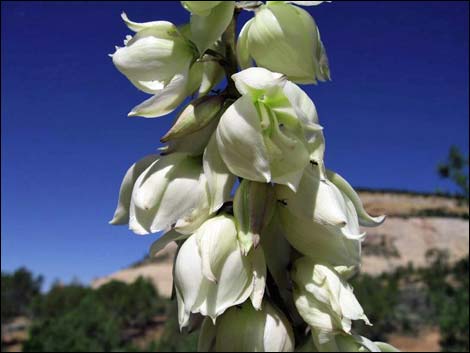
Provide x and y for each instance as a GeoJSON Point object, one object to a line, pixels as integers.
{"type": "Point", "coordinates": [398, 100]}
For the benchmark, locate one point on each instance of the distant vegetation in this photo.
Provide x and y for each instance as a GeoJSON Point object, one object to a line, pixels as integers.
{"type": "Point", "coordinates": [455, 168]}
{"type": "Point", "coordinates": [74, 318]}
{"type": "Point", "coordinates": [78, 318]}
{"type": "Point", "coordinates": [409, 299]}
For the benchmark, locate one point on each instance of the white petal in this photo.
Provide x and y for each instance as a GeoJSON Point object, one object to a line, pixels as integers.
{"type": "Point", "coordinates": [304, 108]}
{"type": "Point", "coordinates": [285, 144]}
{"type": "Point", "coordinates": [282, 38]}
{"type": "Point", "coordinates": [201, 8]}
{"type": "Point", "coordinates": [240, 142]}
{"type": "Point", "coordinates": [219, 179]}
{"type": "Point", "coordinates": [364, 218]}
{"type": "Point", "coordinates": [205, 30]}
{"type": "Point", "coordinates": [165, 100]}
{"type": "Point", "coordinates": [197, 216]}
{"type": "Point", "coordinates": [121, 215]}
{"type": "Point", "coordinates": [168, 190]}
{"type": "Point", "coordinates": [212, 75]}
{"type": "Point", "coordinates": [257, 80]}
{"type": "Point", "coordinates": [247, 330]}
{"type": "Point", "coordinates": [164, 240]}
{"type": "Point", "coordinates": [317, 200]}
{"type": "Point", "coordinates": [154, 54]}
{"type": "Point", "coordinates": [243, 53]}
{"type": "Point", "coordinates": [136, 27]}
{"type": "Point", "coordinates": [320, 243]}
{"type": "Point", "coordinates": [215, 240]}
{"type": "Point", "coordinates": [259, 277]}
{"type": "Point", "coordinates": [222, 260]}
{"type": "Point", "coordinates": [188, 278]}
{"type": "Point", "coordinates": [320, 292]}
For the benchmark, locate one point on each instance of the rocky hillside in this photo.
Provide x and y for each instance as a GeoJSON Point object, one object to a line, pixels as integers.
{"type": "Point", "coordinates": [416, 223]}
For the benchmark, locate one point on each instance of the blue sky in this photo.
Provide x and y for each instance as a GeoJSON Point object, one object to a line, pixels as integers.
{"type": "Point", "coordinates": [398, 100]}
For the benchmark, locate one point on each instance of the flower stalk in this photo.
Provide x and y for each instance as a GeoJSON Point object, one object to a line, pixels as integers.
{"type": "Point", "coordinates": [267, 235]}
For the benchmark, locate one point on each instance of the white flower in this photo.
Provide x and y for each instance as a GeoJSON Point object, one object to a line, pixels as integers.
{"type": "Point", "coordinates": [243, 329]}
{"type": "Point", "coordinates": [284, 38]}
{"type": "Point", "coordinates": [211, 274]}
{"type": "Point", "coordinates": [324, 300]}
{"type": "Point", "coordinates": [162, 192]}
{"type": "Point", "coordinates": [209, 20]}
{"type": "Point", "coordinates": [158, 60]}
{"type": "Point", "coordinates": [320, 221]}
{"type": "Point", "coordinates": [262, 137]}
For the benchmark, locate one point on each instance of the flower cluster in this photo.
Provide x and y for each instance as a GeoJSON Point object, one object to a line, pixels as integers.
{"type": "Point", "coordinates": [267, 235]}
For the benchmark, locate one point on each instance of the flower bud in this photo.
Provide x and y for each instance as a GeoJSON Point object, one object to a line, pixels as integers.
{"type": "Point", "coordinates": [211, 274]}
{"type": "Point", "coordinates": [194, 117]}
{"type": "Point", "coordinates": [253, 207]}
{"type": "Point", "coordinates": [324, 300]}
{"type": "Point", "coordinates": [244, 329]}
{"type": "Point", "coordinates": [260, 137]}
{"type": "Point", "coordinates": [284, 38]}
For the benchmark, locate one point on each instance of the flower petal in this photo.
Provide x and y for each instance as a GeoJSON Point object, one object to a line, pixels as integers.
{"type": "Point", "coordinates": [121, 215]}
{"type": "Point", "coordinates": [164, 240]}
{"type": "Point", "coordinates": [205, 30]}
{"type": "Point", "coordinates": [323, 244]}
{"type": "Point", "coordinates": [317, 200]}
{"type": "Point", "coordinates": [166, 191]}
{"type": "Point", "coordinates": [136, 27]}
{"type": "Point", "coordinates": [364, 218]}
{"type": "Point", "coordinates": [156, 53]}
{"type": "Point", "coordinates": [240, 142]}
{"type": "Point", "coordinates": [282, 38]}
{"type": "Point", "coordinates": [259, 277]}
{"type": "Point", "coordinates": [256, 81]}
{"type": "Point", "coordinates": [201, 8]}
{"type": "Point", "coordinates": [187, 278]}
{"type": "Point", "coordinates": [219, 179]}
{"type": "Point", "coordinates": [164, 101]}
{"type": "Point", "coordinates": [243, 53]}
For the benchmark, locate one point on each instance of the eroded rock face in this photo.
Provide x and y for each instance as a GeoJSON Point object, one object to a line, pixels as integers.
{"type": "Point", "coordinates": [406, 205]}
{"type": "Point", "coordinates": [403, 238]}
{"type": "Point", "coordinates": [400, 241]}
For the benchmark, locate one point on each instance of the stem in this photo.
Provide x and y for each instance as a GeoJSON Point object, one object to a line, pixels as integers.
{"type": "Point", "coordinates": [231, 63]}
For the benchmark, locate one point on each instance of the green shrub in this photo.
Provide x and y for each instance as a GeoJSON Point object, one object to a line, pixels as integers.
{"type": "Point", "coordinates": [18, 290]}
{"type": "Point", "coordinates": [87, 328]}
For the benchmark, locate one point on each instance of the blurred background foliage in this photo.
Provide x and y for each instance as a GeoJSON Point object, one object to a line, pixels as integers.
{"type": "Point", "coordinates": [118, 316]}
